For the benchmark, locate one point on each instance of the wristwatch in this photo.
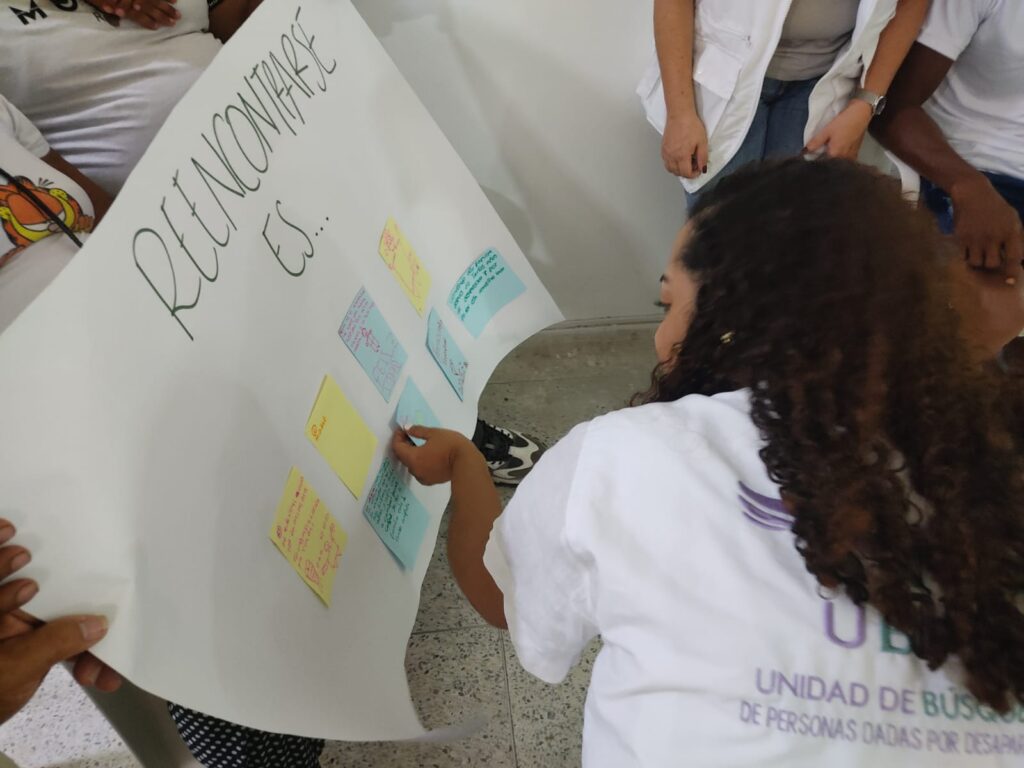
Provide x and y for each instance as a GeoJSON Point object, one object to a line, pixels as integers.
{"type": "Point", "coordinates": [874, 100]}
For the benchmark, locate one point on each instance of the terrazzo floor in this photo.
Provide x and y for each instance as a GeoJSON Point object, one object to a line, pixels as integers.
{"type": "Point", "coordinates": [458, 667]}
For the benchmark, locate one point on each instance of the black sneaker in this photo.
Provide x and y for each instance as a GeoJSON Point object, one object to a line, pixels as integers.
{"type": "Point", "coordinates": [510, 455]}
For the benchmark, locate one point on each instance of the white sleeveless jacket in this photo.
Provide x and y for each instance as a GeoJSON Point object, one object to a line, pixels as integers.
{"type": "Point", "coordinates": [734, 42]}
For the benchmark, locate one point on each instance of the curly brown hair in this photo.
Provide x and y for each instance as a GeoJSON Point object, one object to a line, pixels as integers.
{"type": "Point", "coordinates": [827, 295]}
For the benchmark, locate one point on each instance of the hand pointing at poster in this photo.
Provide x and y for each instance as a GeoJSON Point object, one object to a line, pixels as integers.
{"type": "Point", "coordinates": [29, 648]}
{"type": "Point", "coordinates": [448, 456]}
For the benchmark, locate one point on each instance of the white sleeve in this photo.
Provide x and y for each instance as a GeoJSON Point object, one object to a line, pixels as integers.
{"type": "Point", "coordinates": [952, 24]}
{"type": "Point", "coordinates": [545, 581]}
{"type": "Point", "coordinates": [12, 121]}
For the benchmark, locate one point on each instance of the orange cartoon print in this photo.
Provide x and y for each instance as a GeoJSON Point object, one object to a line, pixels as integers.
{"type": "Point", "coordinates": [25, 224]}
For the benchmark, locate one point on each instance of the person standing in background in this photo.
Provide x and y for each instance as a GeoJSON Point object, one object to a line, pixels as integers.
{"type": "Point", "coordinates": [956, 116]}
{"type": "Point", "coordinates": [738, 82]}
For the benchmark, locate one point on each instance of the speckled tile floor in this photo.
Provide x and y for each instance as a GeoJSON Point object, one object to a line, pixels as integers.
{"type": "Point", "coordinates": [458, 667]}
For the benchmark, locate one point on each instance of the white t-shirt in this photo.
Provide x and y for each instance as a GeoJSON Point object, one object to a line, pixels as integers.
{"type": "Point", "coordinates": [97, 92]}
{"type": "Point", "coordinates": [658, 529]}
{"type": "Point", "coordinates": [32, 249]}
{"type": "Point", "coordinates": [980, 104]}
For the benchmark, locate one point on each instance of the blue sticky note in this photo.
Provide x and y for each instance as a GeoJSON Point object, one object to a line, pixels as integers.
{"type": "Point", "coordinates": [413, 410]}
{"type": "Point", "coordinates": [485, 288]}
{"type": "Point", "coordinates": [447, 354]}
{"type": "Point", "coordinates": [397, 516]}
{"type": "Point", "coordinates": [369, 338]}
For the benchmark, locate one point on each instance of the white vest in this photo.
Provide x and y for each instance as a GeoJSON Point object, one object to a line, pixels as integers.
{"type": "Point", "coordinates": [734, 42]}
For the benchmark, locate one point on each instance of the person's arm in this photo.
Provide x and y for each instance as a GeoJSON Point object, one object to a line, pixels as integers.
{"type": "Point", "coordinates": [101, 201]}
{"type": "Point", "coordinates": [684, 148]}
{"type": "Point", "coordinates": [227, 17]}
{"type": "Point", "coordinates": [894, 44]}
{"type": "Point", "coordinates": [450, 457]}
{"type": "Point", "coordinates": [843, 136]}
{"type": "Point", "coordinates": [985, 224]}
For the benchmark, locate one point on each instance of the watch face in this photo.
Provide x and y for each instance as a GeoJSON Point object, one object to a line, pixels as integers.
{"type": "Point", "coordinates": [880, 105]}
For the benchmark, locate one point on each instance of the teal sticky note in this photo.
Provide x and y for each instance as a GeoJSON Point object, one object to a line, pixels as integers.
{"type": "Point", "coordinates": [368, 336]}
{"type": "Point", "coordinates": [446, 353]}
{"type": "Point", "coordinates": [397, 516]}
{"type": "Point", "coordinates": [485, 288]}
{"type": "Point", "coordinates": [413, 410]}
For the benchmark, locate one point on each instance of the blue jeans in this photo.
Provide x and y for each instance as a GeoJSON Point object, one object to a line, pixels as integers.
{"type": "Point", "coordinates": [777, 130]}
{"type": "Point", "coordinates": [939, 203]}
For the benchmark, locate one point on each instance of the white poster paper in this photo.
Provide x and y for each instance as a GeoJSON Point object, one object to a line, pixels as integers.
{"type": "Point", "coordinates": [158, 394]}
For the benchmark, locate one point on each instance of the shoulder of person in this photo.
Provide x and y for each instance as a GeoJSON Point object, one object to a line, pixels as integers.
{"type": "Point", "coordinates": [692, 415]}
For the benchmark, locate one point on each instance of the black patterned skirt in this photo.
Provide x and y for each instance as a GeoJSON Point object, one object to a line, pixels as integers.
{"type": "Point", "coordinates": [220, 744]}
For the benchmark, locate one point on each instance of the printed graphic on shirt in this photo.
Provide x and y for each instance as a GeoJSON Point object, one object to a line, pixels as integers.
{"type": "Point", "coordinates": [29, 213]}
{"type": "Point", "coordinates": [927, 718]}
{"type": "Point", "coordinates": [764, 511]}
{"type": "Point", "coordinates": [30, 11]}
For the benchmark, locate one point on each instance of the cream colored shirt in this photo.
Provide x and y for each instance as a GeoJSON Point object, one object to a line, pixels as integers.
{"type": "Point", "coordinates": [814, 33]}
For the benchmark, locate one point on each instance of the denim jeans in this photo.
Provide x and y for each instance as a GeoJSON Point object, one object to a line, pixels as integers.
{"type": "Point", "coordinates": [939, 203]}
{"type": "Point", "coordinates": [777, 130]}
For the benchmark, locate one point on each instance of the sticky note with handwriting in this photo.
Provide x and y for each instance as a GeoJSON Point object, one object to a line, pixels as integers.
{"type": "Point", "coordinates": [308, 536]}
{"type": "Point", "coordinates": [370, 339]}
{"type": "Point", "coordinates": [405, 265]}
{"type": "Point", "coordinates": [447, 353]}
{"type": "Point", "coordinates": [397, 516]}
{"type": "Point", "coordinates": [342, 437]}
{"type": "Point", "coordinates": [413, 410]}
{"type": "Point", "coordinates": [484, 288]}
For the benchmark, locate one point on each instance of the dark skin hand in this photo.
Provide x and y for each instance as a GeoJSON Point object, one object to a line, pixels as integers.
{"type": "Point", "coordinates": [987, 228]}
{"type": "Point", "coordinates": [225, 19]}
{"type": "Point", "coordinates": [991, 306]}
{"type": "Point", "coordinates": [228, 17]}
{"type": "Point", "coordinates": [151, 14]}
{"type": "Point", "coordinates": [29, 648]}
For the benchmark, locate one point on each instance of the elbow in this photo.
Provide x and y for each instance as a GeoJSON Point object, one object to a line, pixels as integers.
{"type": "Point", "coordinates": [498, 621]}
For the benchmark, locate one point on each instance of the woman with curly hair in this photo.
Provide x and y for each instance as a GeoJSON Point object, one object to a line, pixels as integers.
{"type": "Point", "coordinates": [806, 546]}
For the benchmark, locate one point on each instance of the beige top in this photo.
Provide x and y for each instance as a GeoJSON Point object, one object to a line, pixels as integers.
{"type": "Point", "coordinates": [813, 34]}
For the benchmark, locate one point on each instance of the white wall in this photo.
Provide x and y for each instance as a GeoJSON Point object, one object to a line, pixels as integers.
{"type": "Point", "coordinates": [537, 96]}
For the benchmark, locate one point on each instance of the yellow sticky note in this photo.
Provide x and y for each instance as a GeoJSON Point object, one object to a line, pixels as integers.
{"type": "Point", "coordinates": [308, 535]}
{"type": "Point", "coordinates": [342, 437]}
{"type": "Point", "coordinates": [405, 265]}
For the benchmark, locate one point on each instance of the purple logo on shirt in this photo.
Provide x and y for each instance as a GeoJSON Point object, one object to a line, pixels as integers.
{"type": "Point", "coordinates": [764, 511]}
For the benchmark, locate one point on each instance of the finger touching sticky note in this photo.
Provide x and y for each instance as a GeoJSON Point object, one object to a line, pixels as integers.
{"type": "Point", "coordinates": [308, 536]}
{"type": "Point", "coordinates": [487, 286]}
{"type": "Point", "coordinates": [446, 353]}
{"type": "Point", "coordinates": [342, 437]}
{"type": "Point", "coordinates": [414, 411]}
{"type": "Point", "coordinates": [397, 516]}
{"type": "Point", "coordinates": [405, 265]}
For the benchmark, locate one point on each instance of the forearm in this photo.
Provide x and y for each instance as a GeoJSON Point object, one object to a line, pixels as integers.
{"type": "Point", "coordinates": [906, 130]}
{"type": "Point", "coordinates": [912, 135]}
{"type": "Point", "coordinates": [229, 16]}
{"type": "Point", "coordinates": [475, 507]}
{"type": "Point", "coordinates": [673, 37]}
{"type": "Point", "coordinates": [894, 44]}
{"type": "Point", "coordinates": [101, 201]}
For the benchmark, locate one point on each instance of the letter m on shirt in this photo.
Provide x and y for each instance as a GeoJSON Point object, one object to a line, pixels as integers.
{"type": "Point", "coordinates": [34, 12]}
